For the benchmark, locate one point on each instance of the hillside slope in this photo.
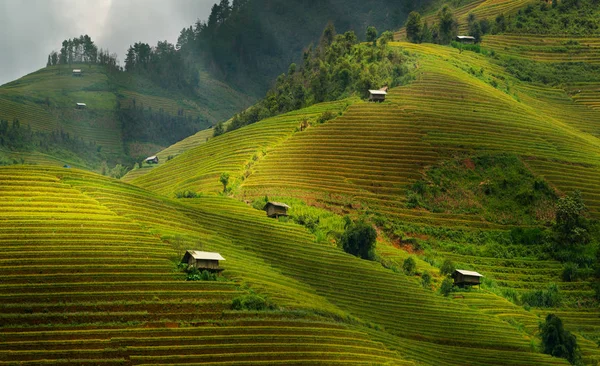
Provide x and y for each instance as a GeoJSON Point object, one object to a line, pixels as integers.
{"type": "Point", "coordinates": [81, 225]}
{"type": "Point", "coordinates": [45, 100]}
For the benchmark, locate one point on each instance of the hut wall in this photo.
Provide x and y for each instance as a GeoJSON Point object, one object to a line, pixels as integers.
{"type": "Point", "coordinates": [273, 211]}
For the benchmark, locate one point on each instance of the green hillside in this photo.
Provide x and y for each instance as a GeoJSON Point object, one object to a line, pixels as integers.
{"type": "Point", "coordinates": [45, 100]}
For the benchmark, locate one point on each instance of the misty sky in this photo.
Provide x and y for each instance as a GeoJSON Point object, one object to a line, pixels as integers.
{"type": "Point", "coordinates": [31, 29]}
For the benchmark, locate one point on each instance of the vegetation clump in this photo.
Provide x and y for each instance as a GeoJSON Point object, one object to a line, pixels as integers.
{"type": "Point", "coordinates": [359, 240]}
{"type": "Point", "coordinates": [251, 302]}
{"type": "Point", "coordinates": [497, 187]}
{"type": "Point", "coordinates": [409, 266]}
{"type": "Point", "coordinates": [558, 342]}
{"type": "Point", "coordinates": [337, 68]}
{"type": "Point", "coordinates": [550, 297]}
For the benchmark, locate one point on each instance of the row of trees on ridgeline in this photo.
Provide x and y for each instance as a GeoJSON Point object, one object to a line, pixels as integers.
{"type": "Point", "coordinates": [445, 30]}
{"type": "Point", "coordinates": [82, 50]}
{"type": "Point", "coordinates": [338, 67]}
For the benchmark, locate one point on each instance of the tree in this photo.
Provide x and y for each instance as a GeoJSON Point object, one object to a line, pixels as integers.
{"type": "Point", "coordinates": [448, 26]}
{"type": "Point", "coordinates": [414, 27]}
{"type": "Point", "coordinates": [447, 286]}
{"type": "Point", "coordinates": [372, 34]}
{"type": "Point", "coordinates": [571, 226]}
{"type": "Point", "coordinates": [219, 130]}
{"type": "Point", "coordinates": [447, 267]}
{"type": "Point", "coordinates": [359, 240]}
{"type": "Point", "coordinates": [224, 179]}
{"type": "Point", "coordinates": [386, 37]}
{"type": "Point", "coordinates": [557, 341]}
{"type": "Point", "coordinates": [409, 266]}
{"type": "Point", "coordinates": [49, 63]}
{"type": "Point", "coordinates": [426, 280]}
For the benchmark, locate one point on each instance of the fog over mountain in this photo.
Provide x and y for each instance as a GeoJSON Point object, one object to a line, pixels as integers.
{"type": "Point", "coordinates": [31, 29]}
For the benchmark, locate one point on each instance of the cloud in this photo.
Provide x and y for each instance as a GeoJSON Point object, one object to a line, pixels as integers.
{"type": "Point", "coordinates": [31, 29]}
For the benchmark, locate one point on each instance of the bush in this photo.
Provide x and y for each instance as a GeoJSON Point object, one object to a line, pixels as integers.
{"type": "Point", "coordinates": [186, 194]}
{"type": "Point", "coordinates": [359, 240]}
{"type": "Point", "coordinates": [447, 267]}
{"type": "Point", "coordinates": [326, 116]}
{"type": "Point", "coordinates": [409, 266]}
{"type": "Point", "coordinates": [570, 272]}
{"type": "Point", "coordinates": [196, 275]}
{"type": "Point", "coordinates": [426, 280]}
{"type": "Point", "coordinates": [542, 298]}
{"type": "Point", "coordinates": [557, 341]}
{"type": "Point", "coordinates": [447, 286]}
{"type": "Point", "coordinates": [250, 302]}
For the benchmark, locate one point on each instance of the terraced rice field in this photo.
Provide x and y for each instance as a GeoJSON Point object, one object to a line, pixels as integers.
{"type": "Point", "coordinates": [100, 288]}
{"type": "Point", "coordinates": [546, 49]}
{"type": "Point", "coordinates": [102, 276]}
{"type": "Point", "coordinates": [233, 154]}
{"type": "Point", "coordinates": [174, 150]}
{"type": "Point", "coordinates": [480, 8]}
{"type": "Point", "coordinates": [587, 94]}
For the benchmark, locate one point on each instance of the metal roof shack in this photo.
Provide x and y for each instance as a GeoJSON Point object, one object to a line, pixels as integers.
{"type": "Point", "coordinates": [465, 39]}
{"type": "Point", "coordinates": [466, 278]}
{"type": "Point", "coordinates": [80, 105]}
{"type": "Point", "coordinates": [151, 159]}
{"type": "Point", "coordinates": [276, 209]}
{"type": "Point", "coordinates": [77, 72]}
{"type": "Point", "coordinates": [203, 260]}
{"type": "Point", "coordinates": [377, 95]}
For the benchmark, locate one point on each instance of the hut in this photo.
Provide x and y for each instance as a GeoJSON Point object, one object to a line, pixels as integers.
{"type": "Point", "coordinates": [377, 95]}
{"type": "Point", "coordinates": [466, 278]}
{"type": "Point", "coordinates": [77, 73]}
{"type": "Point", "coordinates": [465, 39]}
{"type": "Point", "coordinates": [80, 105]}
{"type": "Point", "coordinates": [151, 160]}
{"type": "Point", "coordinates": [208, 261]}
{"type": "Point", "coordinates": [276, 209]}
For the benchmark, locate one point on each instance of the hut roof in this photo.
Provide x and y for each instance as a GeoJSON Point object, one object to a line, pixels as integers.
{"type": "Point", "coordinates": [80, 104]}
{"type": "Point", "coordinates": [76, 70]}
{"type": "Point", "coordinates": [279, 204]}
{"type": "Point", "coordinates": [469, 273]}
{"type": "Point", "coordinates": [151, 157]}
{"type": "Point", "coordinates": [466, 37]}
{"type": "Point", "coordinates": [378, 92]}
{"type": "Point", "coordinates": [196, 254]}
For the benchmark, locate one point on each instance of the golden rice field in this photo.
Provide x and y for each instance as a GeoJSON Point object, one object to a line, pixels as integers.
{"type": "Point", "coordinates": [102, 287]}
{"type": "Point", "coordinates": [544, 48]}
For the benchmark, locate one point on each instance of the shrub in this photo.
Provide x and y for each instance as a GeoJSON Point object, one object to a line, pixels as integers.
{"type": "Point", "coordinates": [409, 266]}
{"type": "Point", "coordinates": [557, 341]}
{"type": "Point", "coordinates": [196, 275]}
{"type": "Point", "coordinates": [186, 194]}
{"type": "Point", "coordinates": [250, 302]}
{"type": "Point", "coordinates": [326, 116]}
{"type": "Point", "coordinates": [542, 298]}
{"type": "Point", "coordinates": [426, 280]}
{"type": "Point", "coordinates": [359, 240]}
{"type": "Point", "coordinates": [570, 272]}
{"type": "Point", "coordinates": [447, 286]}
{"type": "Point", "coordinates": [447, 267]}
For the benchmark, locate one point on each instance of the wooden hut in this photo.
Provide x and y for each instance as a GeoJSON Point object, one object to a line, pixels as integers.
{"type": "Point", "coordinates": [77, 73]}
{"type": "Point", "coordinates": [466, 278]}
{"type": "Point", "coordinates": [276, 209]}
{"type": "Point", "coordinates": [151, 160]}
{"type": "Point", "coordinates": [80, 105]}
{"type": "Point", "coordinates": [465, 39]}
{"type": "Point", "coordinates": [208, 261]}
{"type": "Point", "coordinates": [377, 95]}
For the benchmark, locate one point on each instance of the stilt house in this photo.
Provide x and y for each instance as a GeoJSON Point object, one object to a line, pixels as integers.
{"type": "Point", "coordinates": [276, 209]}
{"type": "Point", "coordinates": [466, 278]}
{"type": "Point", "coordinates": [208, 261]}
